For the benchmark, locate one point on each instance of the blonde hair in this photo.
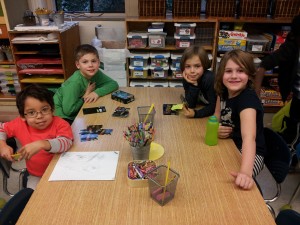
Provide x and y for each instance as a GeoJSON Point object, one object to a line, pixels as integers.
{"type": "Point", "coordinates": [241, 58]}
{"type": "Point", "coordinates": [198, 51]}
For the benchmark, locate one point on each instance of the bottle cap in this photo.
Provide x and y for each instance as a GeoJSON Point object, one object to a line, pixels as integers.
{"type": "Point", "coordinates": [213, 119]}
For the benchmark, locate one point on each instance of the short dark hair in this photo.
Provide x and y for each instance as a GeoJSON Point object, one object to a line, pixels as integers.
{"type": "Point", "coordinates": [198, 51]}
{"type": "Point", "coordinates": [35, 91]}
{"type": "Point", "coordinates": [84, 49]}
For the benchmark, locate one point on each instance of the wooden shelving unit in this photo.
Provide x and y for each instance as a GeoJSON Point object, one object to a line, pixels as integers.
{"type": "Point", "coordinates": [142, 24]}
{"type": "Point", "coordinates": [47, 62]}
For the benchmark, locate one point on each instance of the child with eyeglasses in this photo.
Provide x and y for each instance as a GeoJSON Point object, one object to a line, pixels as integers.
{"type": "Point", "coordinates": [39, 132]}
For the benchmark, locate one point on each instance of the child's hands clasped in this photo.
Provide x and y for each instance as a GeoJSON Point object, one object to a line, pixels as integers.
{"type": "Point", "coordinates": [224, 131]}
{"type": "Point", "coordinates": [27, 151]}
{"type": "Point", "coordinates": [242, 180]}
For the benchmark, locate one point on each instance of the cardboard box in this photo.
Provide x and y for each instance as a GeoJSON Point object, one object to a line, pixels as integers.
{"type": "Point", "coordinates": [233, 34]}
{"type": "Point", "coordinates": [227, 44]}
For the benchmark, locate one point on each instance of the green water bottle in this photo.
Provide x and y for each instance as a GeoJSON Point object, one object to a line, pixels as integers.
{"type": "Point", "coordinates": [211, 135]}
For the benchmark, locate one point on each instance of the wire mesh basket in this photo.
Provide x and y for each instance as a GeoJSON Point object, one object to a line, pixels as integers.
{"type": "Point", "coordinates": [286, 8]}
{"type": "Point", "coordinates": [221, 8]}
{"type": "Point", "coordinates": [254, 8]}
{"type": "Point", "coordinates": [152, 8]}
{"type": "Point", "coordinates": [186, 8]}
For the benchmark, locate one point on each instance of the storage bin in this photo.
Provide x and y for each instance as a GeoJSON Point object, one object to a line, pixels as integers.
{"type": "Point", "coordinates": [138, 59]}
{"type": "Point", "coordinates": [175, 84]}
{"type": "Point", "coordinates": [186, 8]}
{"type": "Point", "coordinates": [159, 72]}
{"type": "Point", "coordinates": [184, 29]}
{"type": "Point", "coordinates": [285, 8]}
{"type": "Point", "coordinates": [159, 84]}
{"type": "Point", "coordinates": [157, 40]}
{"type": "Point", "coordinates": [134, 170]}
{"type": "Point", "coordinates": [138, 83]}
{"type": "Point", "coordinates": [159, 59]}
{"type": "Point", "coordinates": [254, 8]}
{"type": "Point", "coordinates": [152, 8]}
{"type": "Point", "coordinates": [139, 72]}
{"type": "Point", "coordinates": [176, 72]}
{"type": "Point", "coordinates": [221, 8]}
{"type": "Point", "coordinates": [256, 43]}
{"type": "Point", "coordinates": [137, 40]}
{"type": "Point", "coordinates": [176, 58]}
{"type": "Point", "coordinates": [184, 41]}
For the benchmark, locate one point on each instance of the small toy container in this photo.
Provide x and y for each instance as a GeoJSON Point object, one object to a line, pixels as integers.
{"type": "Point", "coordinates": [139, 59]}
{"type": "Point", "coordinates": [176, 60]}
{"type": "Point", "coordinates": [137, 40]}
{"type": "Point", "coordinates": [159, 83]}
{"type": "Point", "coordinates": [256, 43]}
{"type": "Point", "coordinates": [159, 59]}
{"type": "Point", "coordinates": [157, 39]}
{"type": "Point", "coordinates": [159, 72]}
{"type": "Point", "coordinates": [185, 29]}
{"type": "Point", "coordinates": [136, 171]}
{"type": "Point", "coordinates": [139, 72]}
{"type": "Point", "coordinates": [184, 41]}
{"type": "Point", "coordinates": [176, 72]}
{"type": "Point", "coordinates": [139, 83]}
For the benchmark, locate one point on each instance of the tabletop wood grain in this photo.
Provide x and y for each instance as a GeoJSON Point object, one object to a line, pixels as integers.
{"type": "Point", "coordinates": [205, 191]}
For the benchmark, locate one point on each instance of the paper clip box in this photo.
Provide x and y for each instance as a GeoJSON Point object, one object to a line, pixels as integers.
{"type": "Point", "coordinates": [184, 41]}
{"type": "Point", "coordinates": [256, 43]}
{"type": "Point", "coordinates": [159, 59]}
{"type": "Point", "coordinates": [139, 59]}
{"type": "Point", "coordinates": [137, 40]}
{"type": "Point", "coordinates": [157, 40]}
{"type": "Point", "coordinates": [139, 72]}
{"type": "Point", "coordinates": [159, 72]}
{"type": "Point", "coordinates": [185, 29]}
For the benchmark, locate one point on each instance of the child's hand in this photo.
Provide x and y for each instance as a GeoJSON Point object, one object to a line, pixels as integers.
{"type": "Point", "coordinates": [32, 148]}
{"type": "Point", "coordinates": [224, 131]}
{"type": "Point", "coordinates": [243, 180]}
{"type": "Point", "coordinates": [189, 112]}
{"type": "Point", "coordinates": [90, 88]}
{"type": "Point", "coordinates": [186, 77]}
{"type": "Point", "coordinates": [92, 97]}
{"type": "Point", "coordinates": [6, 151]}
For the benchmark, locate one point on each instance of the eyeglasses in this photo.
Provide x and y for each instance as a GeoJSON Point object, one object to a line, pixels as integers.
{"type": "Point", "coordinates": [33, 114]}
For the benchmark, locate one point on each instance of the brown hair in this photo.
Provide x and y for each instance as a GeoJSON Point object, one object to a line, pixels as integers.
{"type": "Point", "coordinates": [241, 58]}
{"type": "Point", "coordinates": [82, 50]}
{"type": "Point", "coordinates": [192, 51]}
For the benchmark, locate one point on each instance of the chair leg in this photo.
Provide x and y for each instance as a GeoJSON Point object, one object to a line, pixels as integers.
{"type": "Point", "coordinates": [271, 210]}
{"type": "Point", "coordinates": [296, 192]}
{"type": "Point", "coordinates": [5, 186]}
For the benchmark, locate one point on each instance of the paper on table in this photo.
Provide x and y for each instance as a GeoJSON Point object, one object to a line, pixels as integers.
{"type": "Point", "coordinates": [86, 166]}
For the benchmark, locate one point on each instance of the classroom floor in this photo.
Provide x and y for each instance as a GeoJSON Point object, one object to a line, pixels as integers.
{"type": "Point", "coordinates": [264, 179]}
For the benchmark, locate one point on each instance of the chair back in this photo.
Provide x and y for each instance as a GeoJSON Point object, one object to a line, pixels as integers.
{"type": "Point", "coordinates": [278, 156]}
{"type": "Point", "coordinates": [15, 206]}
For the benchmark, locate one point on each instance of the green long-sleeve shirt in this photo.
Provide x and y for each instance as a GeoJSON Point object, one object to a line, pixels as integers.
{"type": "Point", "coordinates": [68, 98]}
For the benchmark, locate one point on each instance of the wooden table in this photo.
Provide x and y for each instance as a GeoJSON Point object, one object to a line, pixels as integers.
{"type": "Point", "coordinates": [205, 191]}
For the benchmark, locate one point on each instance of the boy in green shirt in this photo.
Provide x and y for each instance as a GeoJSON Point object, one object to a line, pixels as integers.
{"type": "Point", "coordinates": [85, 85]}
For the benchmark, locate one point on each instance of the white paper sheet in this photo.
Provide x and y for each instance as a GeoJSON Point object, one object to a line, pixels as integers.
{"type": "Point", "coordinates": [86, 166]}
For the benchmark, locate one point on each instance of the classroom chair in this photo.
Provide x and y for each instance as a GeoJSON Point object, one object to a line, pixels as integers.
{"type": "Point", "coordinates": [15, 206]}
{"type": "Point", "coordinates": [277, 160]}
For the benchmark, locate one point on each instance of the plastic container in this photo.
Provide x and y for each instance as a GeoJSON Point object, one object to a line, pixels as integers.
{"type": "Point", "coordinates": [138, 83]}
{"type": "Point", "coordinates": [139, 72]}
{"type": "Point", "coordinates": [157, 40]}
{"type": "Point", "coordinates": [256, 43]}
{"type": "Point", "coordinates": [137, 40]}
{"type": "Point", "coordinates": [185, 29]}
{"type": "Point", "coordinates": [159, 72]}
{"type": "Point", "coordinates": [176, 84]}
{"type": "Point", "coordinates": [176, 72]}
{"type": "Point", "coordinates": [176, 60]}
{"type": "Point", "coordinates": [211, 135]}
{"type": "Point", "coordinates": [139, 59]}
{"type": "Point", "coordinates": [159, 59]}
{"type": "Point", "coordinates": [159, 84]}
{"type": "Point", "coordinates": [184, 41]}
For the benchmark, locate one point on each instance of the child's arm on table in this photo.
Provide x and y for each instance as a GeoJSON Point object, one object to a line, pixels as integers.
{"type": "Point", "coordinates": [243, 178]}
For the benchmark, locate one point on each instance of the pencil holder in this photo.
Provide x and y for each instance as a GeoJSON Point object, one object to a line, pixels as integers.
{"type": "Point", "coordinates": [140, 152]}
{"type": "Point", "coordinates": [146, 114]}
{"type": "Point", "coordinates": [162, 184]}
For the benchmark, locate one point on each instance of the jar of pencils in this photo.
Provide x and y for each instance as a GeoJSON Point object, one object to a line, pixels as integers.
{"type": "Point", "coordinates": [140, 136]}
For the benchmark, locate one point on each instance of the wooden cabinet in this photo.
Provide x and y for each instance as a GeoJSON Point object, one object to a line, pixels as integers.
{"type": "Point", "coordinates": [207, 27]}
{"type": "Point", "coordinates": [43, 56]}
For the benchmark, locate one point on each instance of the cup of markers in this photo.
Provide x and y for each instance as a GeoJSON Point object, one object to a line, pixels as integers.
{"type": "Point", "coordinates": [140, 136]}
